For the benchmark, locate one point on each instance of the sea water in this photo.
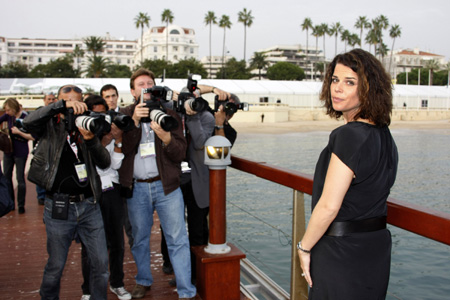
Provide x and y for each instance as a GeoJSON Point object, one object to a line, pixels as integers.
{"type": "Point", "coordinates": [259, 212]}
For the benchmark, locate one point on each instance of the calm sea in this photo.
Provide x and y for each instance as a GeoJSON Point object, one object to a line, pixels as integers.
{"type": "Point", "coordinates": [259, 213]}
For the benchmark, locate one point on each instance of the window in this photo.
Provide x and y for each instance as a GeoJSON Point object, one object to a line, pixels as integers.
{"type": "Point", "coordinates": [424, 103]}
{"type": "Point", "coordinates": [175, 48]}
{"type": "Point", "coordinates": [53, 45]}
{"type": "Point", "coordinates": [11, 44]}
{"type": "Point", "coordinates": [39, 45]}
{"type": "Point", "coordinates": [24, 44]}
{"type": "Point", "coordinates": [155, 49]}
{"type": "Point", "coordinates": [109, 46]}
{"type": "Point", "coordinates": [263, 99]}
{"type": "Point", "coordinates": [192, 51]}
{"type": "Point", "coordinates": [129, 46]}
{"type": "Point", "coordinates": [67, 45]}
{"type": "Point", "coordinates": [174, 31]}
{"type": "Point", "coordinates": [39, 59]}
{"type": "Point", "coordinates": [119, 46]}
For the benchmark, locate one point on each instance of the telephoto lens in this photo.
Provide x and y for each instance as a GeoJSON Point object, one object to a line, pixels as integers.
{"type": "Point", "coordinates": [167, 122]}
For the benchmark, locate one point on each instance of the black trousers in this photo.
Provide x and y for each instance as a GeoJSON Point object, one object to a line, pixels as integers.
{"type": "Point", "coordinates": [112, 206]}
{"type": "Point", "coordinates": [197, 221]}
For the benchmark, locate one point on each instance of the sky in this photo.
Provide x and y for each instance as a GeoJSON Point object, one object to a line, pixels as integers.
{"type": "Point", "coordinates": [424, 24]}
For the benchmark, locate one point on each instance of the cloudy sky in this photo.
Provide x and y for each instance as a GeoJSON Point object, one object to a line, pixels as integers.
{"type": "Point", "coordinates": [424, 24]}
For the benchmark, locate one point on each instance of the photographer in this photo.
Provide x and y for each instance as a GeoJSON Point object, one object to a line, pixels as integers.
{"type": "Point", "coordinates": [64, 164]}
{"type": "Point", "coordinates": [151, 171]}
{"type": "Point", "coordinates": [222, 116]}
{"type": "Point", "coordinates": [112, 207]}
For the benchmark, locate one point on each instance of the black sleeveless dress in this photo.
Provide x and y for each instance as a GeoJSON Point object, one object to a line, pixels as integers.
{"type": "Point", "coordinates": [357, 265]}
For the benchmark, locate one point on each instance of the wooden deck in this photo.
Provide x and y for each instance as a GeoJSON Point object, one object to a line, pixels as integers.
{"type": "Point", "coordinates": [23, 257]}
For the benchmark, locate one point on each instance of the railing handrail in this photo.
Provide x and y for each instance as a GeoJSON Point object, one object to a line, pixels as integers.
{"type": "Point", "coordinates": [423, 221]}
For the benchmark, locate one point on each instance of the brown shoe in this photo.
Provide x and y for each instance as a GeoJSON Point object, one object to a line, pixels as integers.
{"type": "Point", "coordinates": [139, 291]}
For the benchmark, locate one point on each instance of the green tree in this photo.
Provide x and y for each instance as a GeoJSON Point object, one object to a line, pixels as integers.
{"type": "Point", "coordinates": [412, 77]}
{"type": "Point", "coordinates": [285, 71]}
{"type": "Point", "coordinates": [372, 39]}
{"type": "Point", "coordinates": [76, 54]}
{"type": "Point", "coordinates": [184, 67]}
{"type": "Point", "coordinates": [345, 36]}
{"type": "Point", "coordinates": [97, 66]}
{"type": "Point", "coordinates": [320, 67]}
{"type": "Point", "coordinates": [432, 65]}
{"type": "Point", "coordinates": [58, 68]}
{"type": "Point", "coordinates": [245, 17]}
{"type": "Point", "coordinates": [394, 33]}
{"type": "Point", "coordinates": [361, 24]}
{"type": "Point", "coordinates": [224, 23]}
{"type": "Point", "coordinates": [323, 33]}
{"type": "Point", "coordinates": [317, 33]}
{"type": "Point", "coordinates": [336, 29]}
{"type": "Point", "coordinates": [117, 71]}
{"type": "Point", "coordinates": [94, 44]}
{"type": "Point", "coordinates": [157, 66]}
{"type": "Point", "coordinates": [235, 70]}
{"type": "Point", "coordinates": [142, 20]}
{"type": "Point", "coordinates": [167, 17]}
{"type": "Point", "coordinates": [353, 39]}
{"type": "Point", "coordinates": [14, 70]}
{"type": "Point", "coordinates": [259, 62]}
{"type": "Point", "coordinates": [210, 19]}
{"type": "Point", "coordinates": [307, 25]}
{"type": "Point", "coordinates": [383, 24]}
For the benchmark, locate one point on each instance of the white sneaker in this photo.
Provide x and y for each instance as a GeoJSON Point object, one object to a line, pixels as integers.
{"type": "Point", "coordinates": [121, 293]}
{"type": "Point", "coordinates": [86, 297]}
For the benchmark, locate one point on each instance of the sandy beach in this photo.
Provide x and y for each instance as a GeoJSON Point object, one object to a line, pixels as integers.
{"type": "Point", "coordinates": [309, 126]}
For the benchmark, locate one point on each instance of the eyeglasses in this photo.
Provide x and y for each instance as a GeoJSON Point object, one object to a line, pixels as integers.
{"type": "Point", "coordinates": [68, 89]}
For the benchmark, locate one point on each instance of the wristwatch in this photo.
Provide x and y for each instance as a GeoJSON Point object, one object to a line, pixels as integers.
{"type": "Point", "coordinates": [218, 127]}
{"type": "Point", "coordinates": [118, 145]}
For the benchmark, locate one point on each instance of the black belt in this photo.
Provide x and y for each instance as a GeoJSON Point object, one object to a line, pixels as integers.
{"type": "Point", "coordinates": [72, 198]}
{"type": "Point", "coordinates": [149, 180]}
{"type": "Point", "coordinates": [367, 225]}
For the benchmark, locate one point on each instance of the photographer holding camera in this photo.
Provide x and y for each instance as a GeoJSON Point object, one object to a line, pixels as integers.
{"type": "Point", "coordinates": [224, 112]}
{"type": "Point", "coordinates": [151, 171]}
{"type": "Point", "coordinates": [111, 205]}
{"type": "Point", "coordinates": [64, 163]}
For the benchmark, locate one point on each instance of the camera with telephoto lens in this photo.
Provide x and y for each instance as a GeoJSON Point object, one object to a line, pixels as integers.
{"type": "Point", "coordinates": [95, 122]}
{"type": "Point", "coordinates": [159, 95]}
{"type": "Point", "coordinates": [123, 122]}
{"type": "Point", "coordinates": [197, 104]}
{"type": "Point", "coordinates": [229, 107]}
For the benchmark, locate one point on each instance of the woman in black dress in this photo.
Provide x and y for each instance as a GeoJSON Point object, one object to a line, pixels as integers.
{"type": "Point", "coordinates": [346, 250]}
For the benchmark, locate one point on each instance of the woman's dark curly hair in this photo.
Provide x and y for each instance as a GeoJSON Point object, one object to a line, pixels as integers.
{"type": "Point", "coordinates": [374, 87]}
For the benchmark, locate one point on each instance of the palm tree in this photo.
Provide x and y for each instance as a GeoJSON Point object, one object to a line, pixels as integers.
{"type": "Point", "coordinates": [210, 19]}
{"type": "Point", "coordinates": [224, 23]}
{"type": "Point", "coordinates": [372, 39]}
{"type": "Point", "coordinates": [335, 29]}
{"type": "Point", "coordinates": [324, 32]}
{"type": "Point", "coordinates": [317, 33]}
{"type": "Point", "coordinates": [76, 54]}
{"type": "Point", "coordinates": [245, 17]}
{"type": "Point", "coordinates": [394, 33]}
{"type": "Point", "coordinates": [307, 25]}
{"type": "Point", "coordinates": [167, 17]}
{"type": "Point", "coordinates": [345, 37]}
{"type": "Point", "coordinates": [432, 65]}
{"type": "Point", "coordinates": [383, 23]}
{"type": "Point", "coordinates": [97, 66]}
{"type": "Point", "coordinates": [259, 62]}
{"type": "Point", "coordinates": [94, 44]}
{"type": "Point", "coordinates": [142, 20]}
{"type": "Point", "coordinates": [362, 23]}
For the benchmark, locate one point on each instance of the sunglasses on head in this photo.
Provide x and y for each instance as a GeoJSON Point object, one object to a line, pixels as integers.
{"type": "Point", "coordinates": [68, 89]}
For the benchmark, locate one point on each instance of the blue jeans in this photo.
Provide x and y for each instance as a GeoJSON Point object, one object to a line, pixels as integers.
{"type": "Point", "coordinates": [8, 165]}
{"type": "Point", "coordinates": [148, 197]}
{"type": "Point", "coordinates": [40, 191]}
{"type": "Point", "coordinates": [85, 221]}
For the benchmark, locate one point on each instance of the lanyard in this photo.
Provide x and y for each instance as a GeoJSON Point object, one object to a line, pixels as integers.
{"type": "Point", "coordinates": [74, 147]}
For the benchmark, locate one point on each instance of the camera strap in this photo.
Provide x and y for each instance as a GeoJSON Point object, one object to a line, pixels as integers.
{"type": "Point", "coordinates": [80, 167]}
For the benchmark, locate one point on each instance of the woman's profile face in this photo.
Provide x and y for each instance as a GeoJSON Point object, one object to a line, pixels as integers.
{"type": "Point", "coordinates": [344, 91]}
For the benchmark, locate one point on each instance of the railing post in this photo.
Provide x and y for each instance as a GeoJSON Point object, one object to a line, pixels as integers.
{"type": "Point", "coordinates": [299, 287]}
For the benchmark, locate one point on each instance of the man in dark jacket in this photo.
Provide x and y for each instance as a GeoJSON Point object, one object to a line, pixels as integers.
{"type": "Point", "coordinates": [151, 169]}
{"type": "Point", "coordinates": [64, 164]}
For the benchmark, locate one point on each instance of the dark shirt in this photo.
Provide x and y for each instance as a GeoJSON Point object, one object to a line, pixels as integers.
{"type": "Point", "coordinates": [20, 144]}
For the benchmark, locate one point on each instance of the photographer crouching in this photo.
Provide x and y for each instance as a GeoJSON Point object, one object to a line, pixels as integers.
{"type": "Point", "coordinates": [64, 163]}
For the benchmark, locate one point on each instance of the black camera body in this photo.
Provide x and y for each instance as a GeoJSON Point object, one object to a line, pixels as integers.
{"type": "Point", "coordinates": [159, 95]}
{"type": "Point", "coordinates": [123, 122]}
{"type": "Point", "coordinates": [197, 104]}
{"type": "Point", "coordinates": [229, 107]}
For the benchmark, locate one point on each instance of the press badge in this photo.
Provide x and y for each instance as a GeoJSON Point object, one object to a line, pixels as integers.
{"type": "Point", "coordinates": [80, 168]}
{"type": "Point", "coordinates": [106, 183]}
{"type": "Point", "coordinates": [147, 149]}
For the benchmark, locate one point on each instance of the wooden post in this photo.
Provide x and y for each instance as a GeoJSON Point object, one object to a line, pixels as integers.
{"type": "Point", "coordinates": [299, 286]}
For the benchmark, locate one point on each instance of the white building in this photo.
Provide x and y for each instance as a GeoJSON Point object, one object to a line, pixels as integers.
{"type": "Point", "coordinates": [181, 44]}
{"type": "Point", "coordinates": [216, 64]}
{"type": "Point", "coordinates": [404, 60]}
{"type": "Point", "coordinates": [33, 52]}
{"type": "Point", "coordinates": [295, 54]}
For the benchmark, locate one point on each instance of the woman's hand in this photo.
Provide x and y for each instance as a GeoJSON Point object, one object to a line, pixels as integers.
{"type": "Point", "coordinates": [305, 262]}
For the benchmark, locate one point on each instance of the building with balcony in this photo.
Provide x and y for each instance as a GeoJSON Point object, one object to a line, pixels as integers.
{"type": "Point", "coordinates": [295, 54]}
{"type": "Point", "coordinates": [216, 64]}
{"type": "Point", "coordinates": [33, 52]}
{"type": "Point", "coordinates": [180, 41]}
{"type": "Point", "coordinates": [404, 60]}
